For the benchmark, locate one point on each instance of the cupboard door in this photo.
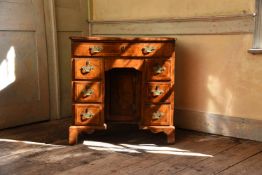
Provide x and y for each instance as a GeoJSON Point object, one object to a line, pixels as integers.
{"type": "Point", "coordinates": [24, 92]}
{"type": "Point", "coordinates": [123, 94]}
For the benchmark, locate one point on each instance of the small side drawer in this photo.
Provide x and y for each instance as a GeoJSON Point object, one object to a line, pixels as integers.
{"type": "Point", "coordinates": [148, 50]}
{"type": "Point", "coordinates": [87, 114]}
{"type": "Point", "coordinates": [87, 68]}
{"type": "Point", "coordinates": [158, 70]}
{"type": "Point", "coordinates": [87, 92]}
{"type": "Point", "coordinates": [82, 49]}
{"type": "Point", "coordinates": [157, 115]}
{"type": "Point", "coordinates": [159, 92]}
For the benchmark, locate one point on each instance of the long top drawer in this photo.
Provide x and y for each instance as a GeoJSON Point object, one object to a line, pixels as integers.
{"type": "Point", "coordinates": [86, 47]}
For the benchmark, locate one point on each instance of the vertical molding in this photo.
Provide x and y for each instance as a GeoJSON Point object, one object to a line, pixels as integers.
{"type": "Point", "coordinates": [53, 67]}
{"type": "Point", "coordinates": [258, 26]}
{"type": "Point", "coordinates": [84, 16]}
{"type": "Point", "coordinates": [257, 39]}
{"type": "Point", "coordinates": [89, 16]}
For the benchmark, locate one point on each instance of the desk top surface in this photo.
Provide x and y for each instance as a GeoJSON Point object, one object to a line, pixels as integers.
{"type": "Point", "coordinates": [121, 39]}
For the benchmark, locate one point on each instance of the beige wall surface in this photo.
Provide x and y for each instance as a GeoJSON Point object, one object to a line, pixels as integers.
{"type": "Point", "coordinates": [214, 72]}
{"type": "Point", "coordinates": [147, 9]}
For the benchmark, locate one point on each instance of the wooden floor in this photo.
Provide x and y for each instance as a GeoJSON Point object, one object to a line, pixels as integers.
{"type": "Point", "coordinates": [42, 149]}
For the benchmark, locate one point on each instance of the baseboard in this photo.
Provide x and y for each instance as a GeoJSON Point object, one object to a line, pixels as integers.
{"type": "Point", "coordinates": [219, 124]}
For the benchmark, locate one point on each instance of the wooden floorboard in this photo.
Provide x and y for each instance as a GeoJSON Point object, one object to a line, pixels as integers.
{"type": "Point", "coordinates": [44, 132]}
{"type": "Point", "coordinates": [207, 146]}
{"type": "Point", "coordinates": [224, 159]}
{"type": "Point", "coordinates": [252, 165]}
{"type": "Point", "coordinates": [42, 149]}
{"type": "Point", "coordinates": [51, 162]}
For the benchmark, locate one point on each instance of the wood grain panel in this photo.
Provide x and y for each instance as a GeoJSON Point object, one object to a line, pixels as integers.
{"type": "Point", "coordinates": [20, 18]}
{"type": "Point", "coordinates": [24, 94]}
{"type": "Point", "coordinates": [69, 4]}
{"type": "Point", "coordinates": [71, 15]}
{"type": "Point", "coordinates": [16, 57]}
{"type": "Point", "coordinates": [148, 9]}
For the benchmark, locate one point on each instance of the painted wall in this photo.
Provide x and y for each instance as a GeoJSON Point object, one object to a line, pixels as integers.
{"type": "Point", "coordinates": [146, 9]}
{"type": "Point", "coordinates": [214, 72]}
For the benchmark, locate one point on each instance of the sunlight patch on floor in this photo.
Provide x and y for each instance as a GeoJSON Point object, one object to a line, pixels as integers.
{"type": "Point", "coordinates": [28, 142]}
{"type": "Point", "coordinates": [141, 148]}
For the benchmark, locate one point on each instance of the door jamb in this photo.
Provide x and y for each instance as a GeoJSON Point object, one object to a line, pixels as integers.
{"type": "Point", "coordinates": [53, 62]}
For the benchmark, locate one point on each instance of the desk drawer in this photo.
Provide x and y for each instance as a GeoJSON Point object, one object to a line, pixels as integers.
{"type": "Point", "coordinates": [87, 114]}
{"type": "Point", "coordinates": [87, 92]}
{"type": "Point", "coordinates": [158, 70]}
{"type": "Point", "coordinates": [157, 115]}
{"type": "Point", "coordinates": [159, 92]}
{"type": "Point", "coordinates": [82, 49]}
{"type": "Point", "coordinates": [87, 68]}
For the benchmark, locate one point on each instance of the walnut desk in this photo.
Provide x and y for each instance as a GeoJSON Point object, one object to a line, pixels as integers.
{"type": "Point", "coordinates": [123, 80]}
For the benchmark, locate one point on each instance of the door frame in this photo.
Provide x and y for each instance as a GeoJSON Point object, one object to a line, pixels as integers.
{"type": "Point", "coordinates": [52, 58]}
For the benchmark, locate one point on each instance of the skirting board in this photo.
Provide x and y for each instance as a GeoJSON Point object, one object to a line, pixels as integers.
{"type": "Point", "coordinates": [219, 124]}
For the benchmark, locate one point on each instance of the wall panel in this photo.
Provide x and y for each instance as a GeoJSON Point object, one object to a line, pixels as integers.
{"type": "Point", "coordinates": [71, 17]}
{"type": "Point", "coordinates": [148, 9]}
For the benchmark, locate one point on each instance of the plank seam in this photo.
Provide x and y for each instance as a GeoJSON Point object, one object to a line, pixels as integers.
{"type": "Point", "coordinates": [239, 162]}
{"type": "Point", "coordinates": [190, 166]}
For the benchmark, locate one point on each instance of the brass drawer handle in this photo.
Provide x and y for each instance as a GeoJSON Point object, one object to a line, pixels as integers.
{"type": "Point", "coordinates": [148, 49]}
{"type": "Point", "coordinates": [157, 91]}
{"type": "Point", "coordinates": [95, 49]}
{"type": "Point", "coordinates": [87, 115]}
{"type": "Point", "coordinates": [158, 69]}
{"type": "Point", "coordinates": [157, 115]}
{"type": "Point", "coordinates": [87, 68]}
{"type": "Point", "coordinates": [87, 92]}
